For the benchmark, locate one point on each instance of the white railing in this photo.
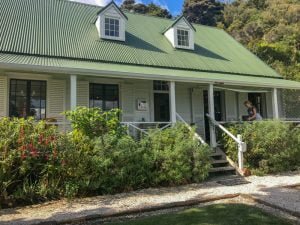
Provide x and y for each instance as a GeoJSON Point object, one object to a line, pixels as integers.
{"type": "Point", "coordinates": [197, 136]}
{"type": "Point", "coordinates": [144, 127]}
{"type": "Point", "coordinates": [242, 147]}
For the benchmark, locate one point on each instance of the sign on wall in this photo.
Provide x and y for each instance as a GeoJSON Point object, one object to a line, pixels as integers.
{"type": "Point", "coordinates": [142, 105]}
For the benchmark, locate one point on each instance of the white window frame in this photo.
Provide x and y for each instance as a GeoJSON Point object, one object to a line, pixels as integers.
{"type": "Point", "coordinates": [109, 31]}
{"type": "Point", "coordinates": [187, 40]}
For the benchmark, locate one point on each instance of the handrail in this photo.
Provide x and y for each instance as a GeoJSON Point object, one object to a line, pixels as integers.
{"type": "Point", "coordinates": [242, 147]}
{"type": "Point", "coordinates": [223, 128]}
{"type": "Point", "coordinates": [197, 136]}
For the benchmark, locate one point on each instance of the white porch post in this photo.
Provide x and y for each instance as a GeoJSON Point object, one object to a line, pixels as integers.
{"type": "Point", "coordinates": [73, 91]}
{"type": "Point", "coordinates": [172, 102]}
{"type": "Point", "coordinates": [211, 111]}
{"type": "Point", "coordinates": [275, 103]}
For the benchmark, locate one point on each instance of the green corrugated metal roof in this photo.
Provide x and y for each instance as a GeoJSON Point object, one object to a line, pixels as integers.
{"type": "Point", "coordinates": [66, 66]}
{"type": "Point", "coordinates": [63, 29]}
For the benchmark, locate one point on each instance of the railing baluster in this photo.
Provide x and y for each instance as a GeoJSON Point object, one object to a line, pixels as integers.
{"type": "Point", "coordinates": [242, 147]}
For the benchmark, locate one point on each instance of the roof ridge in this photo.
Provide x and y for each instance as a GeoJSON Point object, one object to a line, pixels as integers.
{"type": "Point", "coordinates": [81, 3]}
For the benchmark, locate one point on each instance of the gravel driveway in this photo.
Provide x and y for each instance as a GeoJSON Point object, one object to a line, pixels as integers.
{"type": "Point", "coordinates": [279, 191]}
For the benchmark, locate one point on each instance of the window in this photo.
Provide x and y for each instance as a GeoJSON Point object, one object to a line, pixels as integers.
{"type": "Point", "coordinates": [27, 98]}
{"type": "Point", "coordinates": [112, 27]}
{"type": "Point", "coordinates": [104, 96]}
{"type": "Point", "coordinates": [183, 38]}
{"type": "Point", "coordinates": [160, 85]}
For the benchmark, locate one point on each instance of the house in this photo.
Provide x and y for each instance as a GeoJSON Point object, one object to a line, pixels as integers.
{"type": "Point", "coordinates": [56, 55]}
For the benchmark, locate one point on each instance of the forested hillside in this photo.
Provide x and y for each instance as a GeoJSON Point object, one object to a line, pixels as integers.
{"type": "Point", "coordinates": [270, 29]}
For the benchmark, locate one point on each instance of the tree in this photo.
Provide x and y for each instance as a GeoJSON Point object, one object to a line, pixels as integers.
{"type": "Point", "coordinates": [206, 12]}
{"type": "Point", "coordinates": [151, 9]}
{"type": "Point", "coordinates": [128, 5]}
{"type": "Point", "coordinates": [270, 29]}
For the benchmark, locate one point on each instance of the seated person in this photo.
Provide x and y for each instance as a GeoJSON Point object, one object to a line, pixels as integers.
{"type": "Point", "coordinates": [252, 112]}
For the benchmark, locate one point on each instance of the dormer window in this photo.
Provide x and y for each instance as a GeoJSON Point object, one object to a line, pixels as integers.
{"type": "Point", "coordinates": [183, 38]}
{"type": "Point", "coordinates": [112, 27]}
{"type": "Point", "coordinates": [111, 23]}
{"type": "Point", "coordinates": [181, 34]}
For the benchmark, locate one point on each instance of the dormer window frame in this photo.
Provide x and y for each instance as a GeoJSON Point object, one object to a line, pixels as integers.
{"type": "Point", "coordinates": [187, 45]}
{"type": "Point", "coordinates": [111, 18]}
{"type": "Point", "coordinates": [111, 12]}
{"type": "Point", "coordinates": [171, 33]}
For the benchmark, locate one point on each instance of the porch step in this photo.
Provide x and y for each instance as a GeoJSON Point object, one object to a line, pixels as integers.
{"type": "Point", "coordinates": [221, 169]}
{"type": "Point", "coordinates": [220, 163]}
{"type": "Point", "coordinates": [216, 156]}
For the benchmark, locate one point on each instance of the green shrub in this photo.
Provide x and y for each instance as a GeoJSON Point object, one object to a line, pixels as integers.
{"type": "Point", "coordinates": [38, 163]}
{"type": "Point", "coordinates": [28, 160]}
{"type": "Point", "coordinates": [176, 156]}
{"type": "Point", "coordinates": [93, 122]}
{"type": "Point", "coordinates": [272, 146]}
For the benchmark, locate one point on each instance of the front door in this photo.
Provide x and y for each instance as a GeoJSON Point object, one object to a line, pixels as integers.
{"type": "Point", "coordinates": [161, 107]}
{"type": "Point", "coordinates": [219, 110]}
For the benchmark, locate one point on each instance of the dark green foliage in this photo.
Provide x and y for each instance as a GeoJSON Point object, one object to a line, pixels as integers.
{"type": "Point", "coordinates": [177, 158]}
{"type": "Point", "coordinates": [270, 29]}
{"type": "Point", "coordinates": [206, 12]}
{"type": "Point", "coordinates": [93, 122]}
{"type": "Point", "coordinates": [272, 146]}
{"type": "Point", "coordinates": [219, 214]}
{"type": "Point", "coordinates": [38, 163]}
{"type": "Point", "coordinates": [150, 9]}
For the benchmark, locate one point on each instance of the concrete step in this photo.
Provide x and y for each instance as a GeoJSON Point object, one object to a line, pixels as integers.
{"type": "Point", "coordinates": [220, 163]}
{"type": "Point", "coordinates": [222, 169]}
{"type": "Point", "coordinates": [216, 156]}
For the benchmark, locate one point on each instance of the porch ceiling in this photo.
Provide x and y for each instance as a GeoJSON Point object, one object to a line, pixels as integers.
{"type": "Point", "coordinates": [11, 62]}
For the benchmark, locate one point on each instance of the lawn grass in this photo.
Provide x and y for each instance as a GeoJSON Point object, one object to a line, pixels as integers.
{"type": "Point", "coordinates": [219, 214]}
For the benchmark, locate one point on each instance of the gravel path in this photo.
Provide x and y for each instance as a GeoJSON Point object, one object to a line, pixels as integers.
{"type": "Point", "coordinates": [271, 190]}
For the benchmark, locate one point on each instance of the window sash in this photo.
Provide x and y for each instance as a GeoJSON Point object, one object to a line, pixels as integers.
{"type": "Point", "coordinates": [112, 27]}
{"type": "Point", "coordinates": [104, 96]}
{"type": "Point", "coordinates": [183, 38]}
{"type": "Point", "coordinates": [29, 93]}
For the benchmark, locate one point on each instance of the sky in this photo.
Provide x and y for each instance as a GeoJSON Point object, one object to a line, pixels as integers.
{"type": "Point", "coordinates": [174, 6]}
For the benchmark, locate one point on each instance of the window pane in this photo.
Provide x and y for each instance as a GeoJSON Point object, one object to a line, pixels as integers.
{"type": "Point", "coordinates": [104, 96]}
{"type": "Point", "coordinates": [28, 98]}
{"type": "Point", "coordinates": [112, 27]}
{"type": "Point", "coordinates": [183, 38]}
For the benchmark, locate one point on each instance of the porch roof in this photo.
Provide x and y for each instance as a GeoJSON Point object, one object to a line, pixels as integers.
{"type": "Point", "coordinates": [9, 62]}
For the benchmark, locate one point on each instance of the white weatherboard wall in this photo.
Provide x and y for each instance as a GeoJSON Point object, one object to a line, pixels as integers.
{"type": "Point", "coordinates": [56, 99]}
{"type": "Point", "coordinates": [127, 99]}
{"type": "Point", "coordinates": [83, 93]}
{"type": "Point", "coordinates": [143, 90]}
{"type": "Point", "coordinates": [231, 106]}
{"type": "Point", "coordinates": [197, 106]}
{"type": "Point", "coordinates": [183, 101]}
{"type": "Point", "coordinates": [3, 96]}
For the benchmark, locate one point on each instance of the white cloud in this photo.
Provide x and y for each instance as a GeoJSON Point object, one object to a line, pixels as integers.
{"type": "Point", "coordinates": [94, 2]}
{"type": "Point", "coordinates": [161, 3]}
